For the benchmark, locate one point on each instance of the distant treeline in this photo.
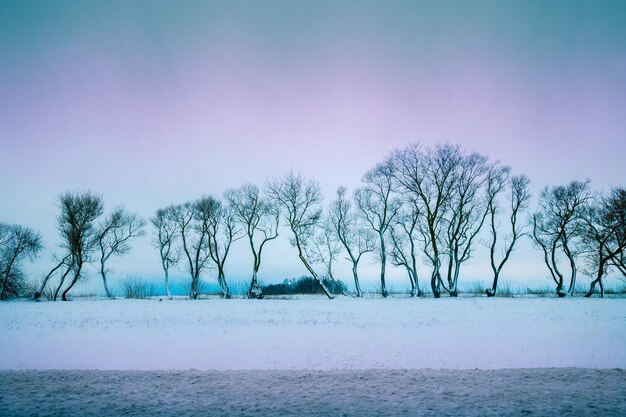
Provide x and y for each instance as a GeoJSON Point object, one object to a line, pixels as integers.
{"type": "Point", "coordinates": [419, 204]}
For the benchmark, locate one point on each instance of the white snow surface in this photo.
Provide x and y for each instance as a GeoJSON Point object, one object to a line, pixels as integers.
{"type": "Point", "coordinates": [314, 333]}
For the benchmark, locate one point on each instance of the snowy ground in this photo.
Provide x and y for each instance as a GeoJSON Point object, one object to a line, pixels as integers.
{"type": "Point", "coordinates": [314, 334]}
{"type": "Point", "coordinates": [519, 392]}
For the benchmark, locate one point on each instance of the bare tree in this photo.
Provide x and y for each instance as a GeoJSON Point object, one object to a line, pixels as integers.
{"type": "Point", "coordinates": [557, 227]}
{"type": "Point", "coordinates": [353, 235]}
{"type": "Point", "coordinates": [194, 239]}
{"type": "Point", "coordinates": [325, 248]}
{"type": "Point", "coordinates": [114, 235]}
{"type": "Point", "coordinates": [222, 230]}
{"type": "Point", "coordinates": [604, 235]}
{"type": "Point", "coordinates": [428, 175]}
{"type": "Point", "coordinates": [518, 197]}
{"type": "Point", "coordinates": [17, 244]}
{"type": "Point", "coordinates": [466, 214]}
{"type": "Point", "coordinates": [259, 219]}
{"type": "Point", "coordinates": [300, 199]}
{"type": "Point", "coordinates": [403, 234]}
{"type": "Point", "coordinates": [378, 207]}
{"type": "Point", "coordinates": [167, 231]}
{"type": "Point", "coordinates": [77, 226]}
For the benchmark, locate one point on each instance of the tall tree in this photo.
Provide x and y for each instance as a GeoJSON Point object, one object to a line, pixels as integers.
{"type": "Point", "coordinates": [466, 214]}
{"type": "Point", "coordinates": [518, 196]}
{"type": "Point", "coordinates": [259, 219]}
{"type": "Point", "coordinates": [379, 208]}
{"type": "Point", "coordinates": [300, 198]}
{"type": "Point", "coordinates": [114, 235]}
{"type": "Point", "coordinates": [77, 226]}
{"type": "Point", "coordinates": [326, 247]}
{"type": "Point", "coordinates": [194, 240]}
{"type": "Point", "coordinates": [17, 244]}
{"type": "Point", "coordinates": [167, 231]}
{"type": "Point", "coordinates": [222, 230]}
{"type": "Point", "coordinates": [428, 175]}
{"type": "Point", "coordinates": [604, 235]}
{"type": "Point", "coordinates": [557, 228]}
{"type": "Point", "coordinates": [353, 235]}
{"type": "Point", "coordinates": [403, 235]}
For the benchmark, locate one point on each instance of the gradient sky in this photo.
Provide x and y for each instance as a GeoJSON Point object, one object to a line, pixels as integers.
{"type": "Point", "coordinates": [155, 102]}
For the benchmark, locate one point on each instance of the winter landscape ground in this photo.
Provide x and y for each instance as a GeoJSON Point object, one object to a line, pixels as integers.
{"type": "Point", "coordinates": [311, 356]}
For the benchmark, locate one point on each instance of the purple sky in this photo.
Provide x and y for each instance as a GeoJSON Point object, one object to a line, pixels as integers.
{"type": "Point", "coordinates": [151, 103]}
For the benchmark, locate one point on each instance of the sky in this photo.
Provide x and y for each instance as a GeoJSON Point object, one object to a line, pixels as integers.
{"type": "Point", "coordinates": [150, 103]}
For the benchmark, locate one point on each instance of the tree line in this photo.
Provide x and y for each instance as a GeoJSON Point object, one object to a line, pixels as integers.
{"type": "Point", "coordinates": [421, 203]}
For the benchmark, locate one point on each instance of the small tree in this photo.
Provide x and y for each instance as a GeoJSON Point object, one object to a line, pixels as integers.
{"type": "Point", "coordinates": [17, 244]}
{"type": "Point", "coordinates": [259, 219]}
{"type": "Point", "coordinates": [300, 199]}
{"type": "Point", "coordinates": [167, 231]}
{"type": "Point", "coordinates": [604, 235]}
{"type": "Point", "coordinates": [355, 237]}
{"type": "Point", "coordinates": [518, 197]}
{"type": "Point", "coordinates": [378, 207]}
{"type": "Point", "coordinates": [114, 235]}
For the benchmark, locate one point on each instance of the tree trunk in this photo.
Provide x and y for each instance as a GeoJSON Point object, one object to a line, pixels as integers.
{"type": "Point", "coordinates": [104, 281]}
{"type": "Point", "coordinates": [221, 278]}
{"type": "Point", "coordinates": [413, 290]}
{"type": "Point", "coordinates": [56, 293]}
{"type": "Point", "coordinates": [167, 283]}
{"type": "Point", "coordinates": [455, 280]}
{"type": "Point", "coordinates": [572, 283]}
{"type": "Point", "coordinates": [559, 286]}
{"type": "Point", "coordinates": [383, 262]}
{"type": "Point", "coordinates": [76, 276]}
{"type": "Point", "coordinates": [255, 291]}
{"type": "Point", "coordinates": [357, 285]}
{"type": "Point", "coordinates": [434, 279]}
{"type": "Point", "coordinates": [494, 287]}
{"type": "Point", "coordinates": [598, 280]}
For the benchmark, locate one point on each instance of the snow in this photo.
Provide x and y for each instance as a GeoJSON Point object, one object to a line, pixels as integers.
{"type": "Point", "coordinates": [519, 392]}
{"type": "Point", "coordinates": [314, 334]}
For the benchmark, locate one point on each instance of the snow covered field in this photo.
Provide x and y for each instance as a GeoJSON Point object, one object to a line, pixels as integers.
{"type": "Point", "coordinates": [314, 334]}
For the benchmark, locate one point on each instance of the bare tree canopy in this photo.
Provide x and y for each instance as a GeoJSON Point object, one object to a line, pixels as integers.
{"type": "Point", "coordinates": [222, 230]}
{"type": "Point", "coordinates": [300, 200]}
{"type": "Point", "coordinates": [378, 207]}
{"type": "Point", "coordinates": [76, 224]}
{"type": "Point", "coordinates": [259, 219]}
{"type": "Point", "coordinates": [557, 228]}
{"type": "Point", "coordinates": [446, 184]}
{"type": "Point", "coordinates": [356, 238]}
{"type": "Point", "coordinates": [604, 235]}
{"type": "Point", "coordinates": [325, 248]}
{"type": "Point", "coordinates": [518, 195]}
{"type": "Point", "coordinates": [166, 229]}
{"type": "Point", "coordinates": [403, 249]}
{"type": "Point", "coordinates": [17, 244]}
{"type": "Point", "coordinates": [114, 235]}
{"type": "Point", "coordinates": [194, 240]}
